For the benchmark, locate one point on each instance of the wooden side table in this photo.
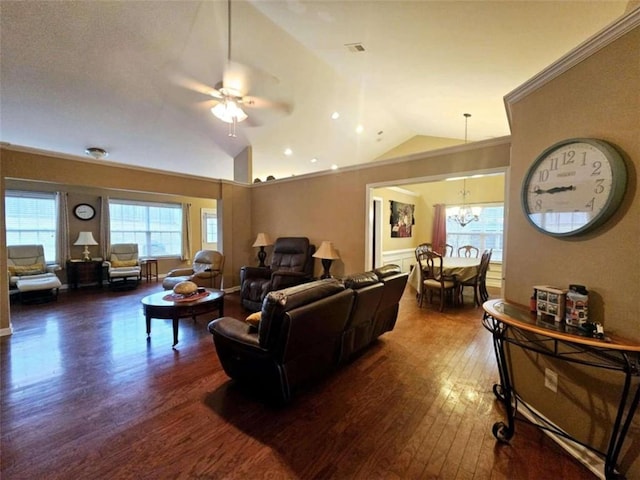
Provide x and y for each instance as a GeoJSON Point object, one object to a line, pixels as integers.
{"type": "Point", "coordinates": [81, 272]}
{"type": "Point", "coordinates": [147, 270]}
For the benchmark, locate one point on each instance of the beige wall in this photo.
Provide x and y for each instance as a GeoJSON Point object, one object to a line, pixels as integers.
{"type": "Point", "coordinates": [87, 181]}
{"type": "Point", "coordinates": [600, 98]}
{"type": "Point", "coordinates": [333, 207]}
{"type": "Point", "coordinates": [323, 207]}
{"type": "Point", "coordinates": [484, 189]}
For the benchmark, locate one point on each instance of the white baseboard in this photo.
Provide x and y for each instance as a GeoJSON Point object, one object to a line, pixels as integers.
{"type": "Point", "coordinates": [6, 331]}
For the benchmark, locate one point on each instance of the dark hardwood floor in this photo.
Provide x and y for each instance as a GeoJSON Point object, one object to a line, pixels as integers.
{"type": "Point", "coordinates": [86, 396]}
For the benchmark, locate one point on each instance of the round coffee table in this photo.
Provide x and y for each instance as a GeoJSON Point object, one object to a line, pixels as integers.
{"type": "Point", "coordinates": [155, 306]}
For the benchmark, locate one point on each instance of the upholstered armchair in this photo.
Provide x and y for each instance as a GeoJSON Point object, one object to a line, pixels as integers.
{"type": "Point", "coordinates": [29, 272]}
{"type": "Point", "coordinates": [123, 265]}
{"type": "Point", "coordinates": [291, 264]}
{"type": "Point", "coordinates": [206, 271]}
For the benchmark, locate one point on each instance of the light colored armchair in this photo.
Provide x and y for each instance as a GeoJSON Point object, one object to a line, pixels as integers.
{"type": "Point", "coordinates": [123, 265]}
{"type": "Point", "coordinates": [29, 272]}
{"type": "Point", "coordinates": [205, 272]}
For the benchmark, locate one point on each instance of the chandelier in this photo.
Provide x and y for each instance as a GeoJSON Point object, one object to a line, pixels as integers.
{"type": "Point", "coordinates": [465, 214]}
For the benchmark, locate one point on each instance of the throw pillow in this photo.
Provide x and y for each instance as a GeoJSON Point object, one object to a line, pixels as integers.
{"type": "Point", "coordinates": [254, 319]}
{"type": "Point", "coordinates": [123, 263]}
{"type": "Point", "coordinates": [24, 270]}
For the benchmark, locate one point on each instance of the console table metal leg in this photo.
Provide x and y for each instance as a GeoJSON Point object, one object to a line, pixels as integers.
{"type": "Point", "coordinates": [504, 390]}
{"type": "Point", "coordinates": [621, 426]}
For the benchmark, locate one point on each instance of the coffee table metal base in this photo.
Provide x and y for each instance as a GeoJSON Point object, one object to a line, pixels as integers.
{"type": "Point", "coordinates": [154, 306]}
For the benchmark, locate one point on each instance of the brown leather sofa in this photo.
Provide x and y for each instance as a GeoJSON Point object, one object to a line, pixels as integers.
{"type": "Point", "coordinates": [291, 264]}
{"type": "Point", "coordinates": [307, 331]}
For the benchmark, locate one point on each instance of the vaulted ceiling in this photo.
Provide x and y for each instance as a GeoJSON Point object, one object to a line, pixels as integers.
{"type": "Point", "coordinates": [133, 77]}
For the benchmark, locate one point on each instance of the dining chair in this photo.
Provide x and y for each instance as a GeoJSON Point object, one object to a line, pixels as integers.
{"type": "Point", "coordinates": [468, 251]}
{"type": "Point", "coordinates": [447, 251]}
{"type": "Point", "coordinates": [482, 273]}
{"type": "Point", "coordinates": [478, 282]}
{"type": "Point", "coordinates": [433, 280]}
{"type": "Point", "coordinates": [423, 247]}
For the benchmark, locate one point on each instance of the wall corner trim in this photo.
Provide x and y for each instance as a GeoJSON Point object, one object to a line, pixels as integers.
{"type": "Point", "coordinates": [587, 48]}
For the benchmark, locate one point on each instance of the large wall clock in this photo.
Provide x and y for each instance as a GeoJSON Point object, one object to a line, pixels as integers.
{"type": "Point", "coordinates": [574, 186]}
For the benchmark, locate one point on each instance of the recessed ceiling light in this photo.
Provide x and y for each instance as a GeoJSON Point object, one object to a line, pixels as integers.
{"type": "Point", "coordinates": [97, 153]}
{"type": "Point", "coordinates": [314, 160]}
{"type": "Point", "coordinates": [335, 115]}
{"type": "Point", "coordinates": [359, 129]}
{"type": "Point", "coordinates": [334, 167]}
{"type": "Point", "coordinates": [288, 152]}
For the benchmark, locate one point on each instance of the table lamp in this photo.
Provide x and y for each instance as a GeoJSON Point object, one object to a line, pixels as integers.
{"type": "Point", "coordinates": [327, 254]}
{"type": "Point", "coordinates": [86, 239]}
{"type": "Point", "coordinates": [263, 240]}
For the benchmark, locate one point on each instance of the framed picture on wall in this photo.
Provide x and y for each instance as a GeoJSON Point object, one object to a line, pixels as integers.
{"type": "Point", "coordinates": [401, 219]}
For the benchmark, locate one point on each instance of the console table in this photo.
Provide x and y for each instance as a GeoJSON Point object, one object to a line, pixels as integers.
{"type": "Point", "coordinates": [513, 324]}
{"type": "Point", "coordinates": [81, 272]}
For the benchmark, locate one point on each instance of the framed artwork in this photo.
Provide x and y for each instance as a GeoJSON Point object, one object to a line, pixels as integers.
{"type": "Point", "coordinates": [401, 219]}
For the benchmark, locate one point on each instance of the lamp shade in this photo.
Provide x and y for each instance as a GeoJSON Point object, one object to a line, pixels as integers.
{"type": "Point", "coordinates": [262, 240]}
{"type": "Point", "coordinates": [85, 238]}
{"type": "Point", "coordinates": [327, 251]}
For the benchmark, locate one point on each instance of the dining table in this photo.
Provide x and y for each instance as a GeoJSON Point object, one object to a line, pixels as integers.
{"type": "Point", "coordinates": [464, 269]}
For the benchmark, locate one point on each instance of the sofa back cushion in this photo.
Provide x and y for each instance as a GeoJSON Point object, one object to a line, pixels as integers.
{"type": "Point", "coordinates": [360, 280]}
{"type": "Point", "coordinates": [312, 336]}
{"type": "Point", "coordinates": [278, 302]}
{"type": "Point", "coordinates": [22, 255]}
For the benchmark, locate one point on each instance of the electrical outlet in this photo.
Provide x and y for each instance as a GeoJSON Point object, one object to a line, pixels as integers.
{"type": "Point", "coordinates": [551, 379]}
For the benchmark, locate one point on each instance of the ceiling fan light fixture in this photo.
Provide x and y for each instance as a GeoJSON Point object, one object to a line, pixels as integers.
{"type": "Point", "coordinates": [229, 112]}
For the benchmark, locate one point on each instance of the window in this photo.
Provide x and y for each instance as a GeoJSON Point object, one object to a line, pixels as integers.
{"type": "Point", "coordinates": [210, 228]}
{"type": "Point", "coordinates": [155, 227]}
{"type": "Point", "coordinates": [31, 219]}
{"type": "Point", "coordinates": [485, 233]}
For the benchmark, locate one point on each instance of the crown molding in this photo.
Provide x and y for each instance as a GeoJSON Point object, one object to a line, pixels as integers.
{"type": "Point", "coordinates": [583, 51]}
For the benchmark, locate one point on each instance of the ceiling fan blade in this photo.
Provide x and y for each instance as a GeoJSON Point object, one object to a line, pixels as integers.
{"type": "Point", "coordinates": [206, 105]}
{"type": "Point", "coordinates": [237, 78]}
{"type": "Point", "coordinates": [191, 84]}
{"type": "Point", "coordinates": [263, 103]}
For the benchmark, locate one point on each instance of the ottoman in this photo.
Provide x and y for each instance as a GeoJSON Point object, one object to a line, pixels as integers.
{"type": "Point", "coordinates": [40, 288]}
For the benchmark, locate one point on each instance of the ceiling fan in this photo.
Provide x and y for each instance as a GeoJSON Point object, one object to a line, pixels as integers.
{"type": "Point", "coordinates": [231, 92]}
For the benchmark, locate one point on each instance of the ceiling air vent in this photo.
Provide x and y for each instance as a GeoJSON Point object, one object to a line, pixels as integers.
{"type": "Point", "coordinates": [355, 47]}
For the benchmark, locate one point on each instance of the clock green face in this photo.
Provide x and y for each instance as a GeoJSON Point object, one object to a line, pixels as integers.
{"type": "Point", "coordinates": [574, 186]}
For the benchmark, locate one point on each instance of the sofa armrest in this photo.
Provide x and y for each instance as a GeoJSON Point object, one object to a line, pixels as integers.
{"type": "Point", "coordinates": [255, 272]}
{"type": "Point", "coordinates": [207, 274]}
{"type": "Point", "coordinates": [236, 331]}
{"type": "Point", "coordinates": [180, 272]}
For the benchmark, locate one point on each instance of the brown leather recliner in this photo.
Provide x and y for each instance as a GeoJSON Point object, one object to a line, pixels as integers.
{"type": "Point", "coordinates": [291, 264]}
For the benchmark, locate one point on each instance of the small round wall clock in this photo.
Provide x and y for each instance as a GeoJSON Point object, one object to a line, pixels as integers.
{"type": "Point", "coordinates": [574, 186]}
{"type": "Point", "coordinates": [84, 211]}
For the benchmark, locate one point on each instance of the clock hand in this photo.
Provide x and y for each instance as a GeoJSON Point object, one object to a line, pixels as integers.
{"type": "Point", "coordinates": [539, 191]}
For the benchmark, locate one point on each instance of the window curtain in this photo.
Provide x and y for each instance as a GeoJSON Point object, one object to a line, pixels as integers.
{"type": "Point", "coordinates": [186, 231]}
{"type": "Point", "coordinates": [439, 234]}
{"type": "Point", "coordinates": [63, 250]}
{"type": "Point", "coordinates": [105, 231]}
